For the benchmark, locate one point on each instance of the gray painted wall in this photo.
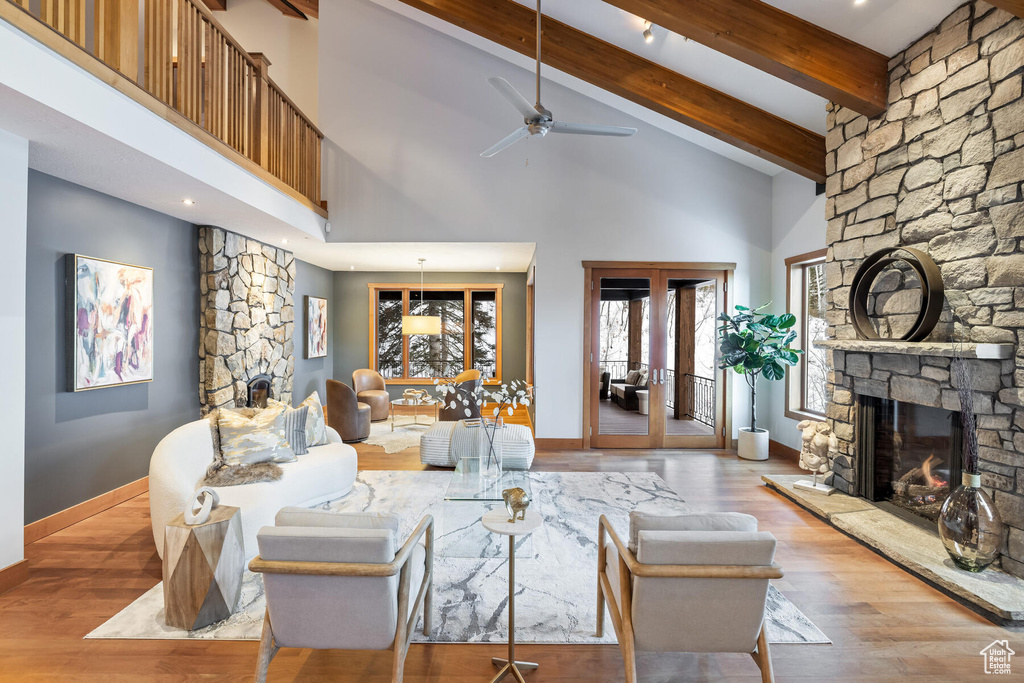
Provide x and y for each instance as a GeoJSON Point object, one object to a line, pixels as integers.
{"type": "Point", "coordinates": [350, 309]}
{"type": "Point", "coordinates": [80, 445]}
{"type": "Point", "coordinates": [312, 374]}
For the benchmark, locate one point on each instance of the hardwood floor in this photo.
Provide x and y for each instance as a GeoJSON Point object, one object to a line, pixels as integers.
{"type": "Point", "coordinates": [885, 624]}
{"type": "Point", "coordinates": [613, 419]}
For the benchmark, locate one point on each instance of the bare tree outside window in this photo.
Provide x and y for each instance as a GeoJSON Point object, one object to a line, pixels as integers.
{"type": "Point", "coordinates": [438, 355]}
{"type": "Point", "coordinates": [814, 358]}
{"type": "Point", "coordinates": [704, 333]}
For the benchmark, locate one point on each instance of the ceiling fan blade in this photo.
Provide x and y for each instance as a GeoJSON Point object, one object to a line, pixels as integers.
{"type": "Point", "coordinates": [507, 142]}
{"type": "Point", "coordinates": [521, 104]}
{"type": "Point", "coordinates": [591, 129]}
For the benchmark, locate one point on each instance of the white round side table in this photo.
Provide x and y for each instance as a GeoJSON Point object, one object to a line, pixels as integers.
{"type": "Point", "coordinates": [497, 521]}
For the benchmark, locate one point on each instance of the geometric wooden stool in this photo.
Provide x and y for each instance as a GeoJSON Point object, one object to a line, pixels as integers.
{"type": "Point", "coordinates": [203, 569]}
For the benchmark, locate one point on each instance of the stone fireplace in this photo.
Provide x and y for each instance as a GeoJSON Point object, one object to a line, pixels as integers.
{"type": "Point", "coordinates": [940, 171]}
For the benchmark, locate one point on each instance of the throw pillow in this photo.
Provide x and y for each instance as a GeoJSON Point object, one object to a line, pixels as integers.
{"type": "Point", "coordinates": [220, 473]}
{"type": "Point", "coordinates": [316, 425]}
{"type": "Point", "coordinates": [631, 377]}
{"type": "Point", "coordinates": [261, 438]}
{"type": "Point", "coordinates": [295, 428]}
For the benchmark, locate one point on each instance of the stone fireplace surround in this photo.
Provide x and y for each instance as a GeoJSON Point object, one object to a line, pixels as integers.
{"type": "Point", "coordinates": [941, 170]}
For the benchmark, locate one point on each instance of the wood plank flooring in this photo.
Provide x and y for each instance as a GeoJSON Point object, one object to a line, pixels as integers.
{"type": "Point", "coordinates": [885, 624]}
{"type": "Point", "coordinates": [613, 419]}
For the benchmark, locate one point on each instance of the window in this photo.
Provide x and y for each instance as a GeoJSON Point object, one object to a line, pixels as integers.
{"type": "Point", "coordinates": [470, 331]}
{"type": "Point", "coordinates": [806, 383]}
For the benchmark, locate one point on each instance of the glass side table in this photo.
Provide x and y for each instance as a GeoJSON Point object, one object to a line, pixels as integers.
{"type": "Point", "coordinates": [402, 407]}
{"type": "Point", "coordinates": [468, 497]}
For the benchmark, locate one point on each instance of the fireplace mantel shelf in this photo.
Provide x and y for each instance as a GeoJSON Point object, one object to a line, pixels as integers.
{"type": "Point", "coordinates": [984, 351]}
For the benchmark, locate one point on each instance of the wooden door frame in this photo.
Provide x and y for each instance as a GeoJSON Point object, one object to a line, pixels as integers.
{"type": "Point", "coordinates": [726, 271]}
{"type": "Point", "coordinates": [718, 440]}
{"type": "Point", "coordinates": [591, 372]}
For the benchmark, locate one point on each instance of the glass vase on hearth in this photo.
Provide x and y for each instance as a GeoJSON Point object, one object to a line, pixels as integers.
{"type": "Point", "coordinates": [490, 447]}
{"type": "Point", "coordinates": [970, 526]}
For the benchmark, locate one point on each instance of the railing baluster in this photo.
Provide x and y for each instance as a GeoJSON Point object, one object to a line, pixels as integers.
{"type": "Point", "coordinates": [193, 66]}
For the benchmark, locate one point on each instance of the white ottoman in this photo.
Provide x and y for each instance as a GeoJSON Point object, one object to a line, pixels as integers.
{"type": "Point", "coordinates": [643, 397]}
{"type": "Point", "coordinates": [517, 448]}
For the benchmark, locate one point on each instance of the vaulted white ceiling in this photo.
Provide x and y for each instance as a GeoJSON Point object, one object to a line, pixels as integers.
{"type": "Point", "coordinates": [886, 26]}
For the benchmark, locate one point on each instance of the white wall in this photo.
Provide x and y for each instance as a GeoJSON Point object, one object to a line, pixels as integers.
{"type": "Point", "coordinates": [407, 111]}
{"type": "Point", "coordinates": [14, 227]}
{"type": "Point", "coordinates": [798, 227]}
{"type": "Point", "coordinates": [289, 43]}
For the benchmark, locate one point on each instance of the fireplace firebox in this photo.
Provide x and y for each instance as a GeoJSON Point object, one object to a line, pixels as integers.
{"type": "Point", "coordinates": [910, 457]}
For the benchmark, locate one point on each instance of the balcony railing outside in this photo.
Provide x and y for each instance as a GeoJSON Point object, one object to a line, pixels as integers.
{"type": "Point", "coordinates": [700, 391]}
{"type": "Point", "coordinates": [435, 369]}
{"type": "Point", "coordinates": [191, 64]}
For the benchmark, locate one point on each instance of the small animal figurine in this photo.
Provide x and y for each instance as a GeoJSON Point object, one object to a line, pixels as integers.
{"type": "Point", "coordinates": [516, 502]}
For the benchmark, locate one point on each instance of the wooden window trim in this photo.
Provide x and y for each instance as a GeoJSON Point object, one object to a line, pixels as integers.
{"type": "Point", "coordinates": [801, 261]}
{"type": "Point", "coordinates": [467, 288]}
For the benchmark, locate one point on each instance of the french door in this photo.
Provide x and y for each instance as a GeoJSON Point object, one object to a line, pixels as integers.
{"type": "Point", "coordinates": [651, 378]}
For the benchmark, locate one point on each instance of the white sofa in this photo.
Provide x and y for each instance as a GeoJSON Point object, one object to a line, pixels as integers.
{"type": "Point", "coordinates": [179, 465]}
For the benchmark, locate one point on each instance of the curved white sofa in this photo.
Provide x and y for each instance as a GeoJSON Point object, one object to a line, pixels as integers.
{"type": "Point", "coordinates": [179, 465]}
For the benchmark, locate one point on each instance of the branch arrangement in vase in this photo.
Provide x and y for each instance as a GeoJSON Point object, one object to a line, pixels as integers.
{"type": "Point", "coordinates": [508, 397]}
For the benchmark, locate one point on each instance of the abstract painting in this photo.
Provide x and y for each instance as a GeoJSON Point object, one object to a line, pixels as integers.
{"type": "Point", "coordinates": [316, 327]}
{"type": "Point", "coordinates": [109, 324]}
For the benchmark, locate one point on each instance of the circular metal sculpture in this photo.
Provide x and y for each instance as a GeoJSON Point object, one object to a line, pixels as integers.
{"type": "Point", "coordinates": [932, 292]}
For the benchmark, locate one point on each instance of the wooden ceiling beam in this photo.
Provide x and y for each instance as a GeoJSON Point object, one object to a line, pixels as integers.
{"type": "Point", "coordinates": [311, 8]}
{"type": "Point", "coordinates": [651, 85]}
{"type": "Point", "coordinates": [288, 9]}
{"type": "Point", "coordinates": [1011, 6]}
{"type": "Point", "coordinates": [216, 5]}
{"type": "Point", "coordinates": [781, 44]}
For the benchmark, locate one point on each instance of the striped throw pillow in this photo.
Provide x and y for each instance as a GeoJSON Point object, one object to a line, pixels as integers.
{"type": "Point", "coordinates": [295, 429]}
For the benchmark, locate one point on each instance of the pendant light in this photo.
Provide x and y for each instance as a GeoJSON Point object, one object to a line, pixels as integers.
{"type": "Point", "coordinates": [421, 324]}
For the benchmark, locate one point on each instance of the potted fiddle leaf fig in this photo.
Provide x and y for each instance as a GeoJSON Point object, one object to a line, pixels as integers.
{"type": "Point", "coordinates": [756, 344]}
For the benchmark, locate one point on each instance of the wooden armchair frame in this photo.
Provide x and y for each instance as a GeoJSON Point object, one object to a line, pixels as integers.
{"type": "Point", "coordinates": [622, 615]}
{"type": "Point", "coordinates": [400, 565]}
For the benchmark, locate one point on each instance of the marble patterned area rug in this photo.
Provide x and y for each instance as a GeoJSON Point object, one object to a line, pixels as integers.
{"type": "Point", "coordinates": [406, 436]}
{"type": "Point", "coordinates": [555, 566]}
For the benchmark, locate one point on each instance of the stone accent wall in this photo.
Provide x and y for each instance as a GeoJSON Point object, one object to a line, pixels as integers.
{"type": "Point", "coordinates": [941, 171]}
{"type": "Point", "coordinates": [247, 317]}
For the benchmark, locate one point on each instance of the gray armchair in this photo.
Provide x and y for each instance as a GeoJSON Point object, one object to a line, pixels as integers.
{"type": "Point", "coordinates": [336, 581]}
{"type": "Point", "coordinates": [691, 583]}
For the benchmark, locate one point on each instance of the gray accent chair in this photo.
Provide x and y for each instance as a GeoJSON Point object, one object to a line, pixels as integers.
{"type": "Point", "coordinates": [688, 583]}
{"type": "Point", "coordinates": [337, 582]}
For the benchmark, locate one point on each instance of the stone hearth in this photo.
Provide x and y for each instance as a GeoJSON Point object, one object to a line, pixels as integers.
{"type": "Point", "coordinates": [941, 171]}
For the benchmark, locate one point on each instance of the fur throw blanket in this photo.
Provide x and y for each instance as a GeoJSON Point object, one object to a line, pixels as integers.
{"type": "Point", "coordinates": [220, 473]}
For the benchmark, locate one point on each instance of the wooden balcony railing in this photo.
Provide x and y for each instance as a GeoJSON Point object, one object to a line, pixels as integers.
{"type": "Point", "coordinates": [191, 64]}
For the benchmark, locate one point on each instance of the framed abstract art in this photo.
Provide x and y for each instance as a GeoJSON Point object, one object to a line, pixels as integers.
{"type": "Point", "coordinates": [316, 327]}
{"type": "Point", "coordinates": [109, 323]}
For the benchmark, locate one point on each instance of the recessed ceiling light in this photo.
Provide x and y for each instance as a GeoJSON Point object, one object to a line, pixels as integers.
{"type": "Point", "coordinates": [497, 267]}
{"type": "Point", "coordinates": [859, 2]}
{"type": "Point", "coordinates": [187, 202]}
{"type": "Point", "coordinates": [351, 267]}
{"type": "Point", "coordinates": [284, 241]}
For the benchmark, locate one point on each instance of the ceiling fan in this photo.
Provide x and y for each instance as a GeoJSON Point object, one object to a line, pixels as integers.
{"type": "Point", "coordinates": [537, 119]}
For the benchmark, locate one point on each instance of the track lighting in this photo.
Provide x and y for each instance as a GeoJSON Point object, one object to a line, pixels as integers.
{"type": "Point", "coordinates": [648, 35]}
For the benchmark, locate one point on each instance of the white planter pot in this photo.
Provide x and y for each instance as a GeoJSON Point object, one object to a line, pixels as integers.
{"type": "Point", "coordinates": [753, 445]}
